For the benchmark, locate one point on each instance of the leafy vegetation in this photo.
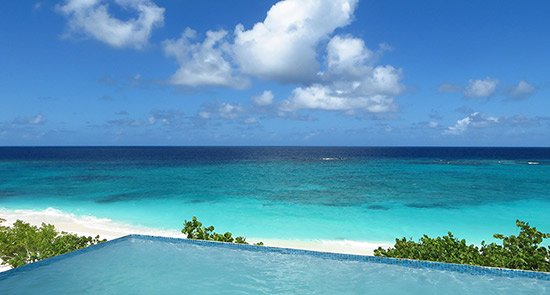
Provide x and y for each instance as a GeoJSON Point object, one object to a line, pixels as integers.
{"type": "Point", "coordinates": [196, 231]}
{"type": "Point", "coordinates": [23, 243]}
{"type": "Point", "coordinates": [523, 251]}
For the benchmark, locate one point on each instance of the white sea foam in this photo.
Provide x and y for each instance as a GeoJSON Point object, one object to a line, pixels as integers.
{"type": "Point", "coordinates": [329, 159]}
{"type": "Point", "coordinates": [533, 163]}
{"type": "Point", "coordinates": [83, 224]}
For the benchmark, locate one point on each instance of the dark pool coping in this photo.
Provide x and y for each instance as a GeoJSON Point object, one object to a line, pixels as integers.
{"type": "Point", "coordinates": [461, 268]}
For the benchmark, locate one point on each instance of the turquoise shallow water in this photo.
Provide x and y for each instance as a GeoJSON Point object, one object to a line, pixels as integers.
{"type": "Point", "coordinates": [141, 265]}
{"type": "Point", "coordinates": [369, 194]}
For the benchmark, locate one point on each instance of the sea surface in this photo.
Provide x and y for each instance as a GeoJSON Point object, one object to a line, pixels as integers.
{"type": "Point", "coordinates": [304, 193]}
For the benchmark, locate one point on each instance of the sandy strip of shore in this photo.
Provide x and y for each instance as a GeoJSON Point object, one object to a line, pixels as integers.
{"type": "Point", "coordinates": [109, 229]}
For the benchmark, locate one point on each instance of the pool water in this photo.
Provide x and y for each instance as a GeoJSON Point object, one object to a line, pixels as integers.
{"type": "Point", "coordinates": [148, 265]}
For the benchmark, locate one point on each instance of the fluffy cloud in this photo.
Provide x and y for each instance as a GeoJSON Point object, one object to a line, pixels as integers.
{"type": "Point", "coordinates": [229, 111]}
{"type": "Point", "coordinates": [92, 18]}
{"type": "Point", "coordinates": [522, 90]}
{"type": "Point", "coordinates": [481, 88]}
{"type": "Point", "coordinates": [475, 120]}
{"type": "Point", "coordinates": [202, 64]}
{"type": "Point", "coordinates": [350, 83]}
{"type": "Point", "coordinates": [487, 87]}
{"type": "Point", "coordinates": [331, 99]}
{"type": "Point", "coordinates": [264, 99]}
{"type": "Point", "coordinates": [283, 46]}
{"type": "Point", "coordinates": [350, 71]}
{"type": "Point", "coordinates": [347, 55]}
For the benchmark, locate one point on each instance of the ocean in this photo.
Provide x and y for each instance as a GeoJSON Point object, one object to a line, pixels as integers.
{"type": "Point", "coordinates": [297, 193]}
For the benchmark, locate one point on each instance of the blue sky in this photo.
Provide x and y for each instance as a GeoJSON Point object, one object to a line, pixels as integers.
{"type": "Point", "coordinates": [292, 72]}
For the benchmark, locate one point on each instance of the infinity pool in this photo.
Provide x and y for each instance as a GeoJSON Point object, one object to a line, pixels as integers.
{"type": "Point", "coordinates": [150, 265]}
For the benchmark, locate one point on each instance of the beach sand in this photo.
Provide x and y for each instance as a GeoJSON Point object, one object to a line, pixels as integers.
{"type": "Point", "coordinates": [109, 229]}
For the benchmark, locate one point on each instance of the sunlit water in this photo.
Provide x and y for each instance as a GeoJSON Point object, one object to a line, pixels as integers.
{"type": "Point", "coordinates": [141, 266]}
{"type": "Point", "coordinates": [370, 194]}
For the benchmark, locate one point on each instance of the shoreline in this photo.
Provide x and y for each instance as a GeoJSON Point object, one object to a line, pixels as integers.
{"type": "Point", "coordinates": [109, 229]}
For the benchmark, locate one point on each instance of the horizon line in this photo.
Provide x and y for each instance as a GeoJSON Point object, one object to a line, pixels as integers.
{"type": "Point", "coordinates": [267, 146]}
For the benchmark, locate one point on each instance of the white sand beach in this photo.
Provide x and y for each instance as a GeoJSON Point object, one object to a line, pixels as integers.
{"type": "Point", "coordinates": [109, 229]}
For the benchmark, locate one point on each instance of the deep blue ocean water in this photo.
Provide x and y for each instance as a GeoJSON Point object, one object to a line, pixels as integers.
{"type": "Point", "coordinates": [356, 193]}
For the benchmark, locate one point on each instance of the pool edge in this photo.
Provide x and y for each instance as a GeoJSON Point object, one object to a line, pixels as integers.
{"type": "Point", "coordinates": [422, 264]}
{"type": "Point", "coordinates": [463, 268]}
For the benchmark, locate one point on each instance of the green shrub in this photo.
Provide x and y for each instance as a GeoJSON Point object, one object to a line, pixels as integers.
{"type": "Point", "coordinates": [519, 252]}
{"type": "Point", "coordinates": [23, 243]}
{"type": "Point", "coordinates": [196, 231]}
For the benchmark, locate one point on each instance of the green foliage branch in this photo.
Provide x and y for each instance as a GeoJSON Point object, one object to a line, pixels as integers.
{"type": "Point", "coordinates": [523, 251]}
{"type": "Point", "coordinates": [23, 243]}
{"type": "Point", "coordinates": [196, 231]}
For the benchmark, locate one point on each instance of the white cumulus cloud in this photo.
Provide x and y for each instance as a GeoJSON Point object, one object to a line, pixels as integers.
{"type": "Point", "coordinates": [327, 98]}
{"type": "Point", "coordinates": [288, 47]}
{"type": "Point", "coordinates": [92, 18]}
{"type": "Point", "coordinates": [522, 90]}
{"type": "Point", "coordinates": [475, 120]}
{"type": "Point", "coordinates": [347, 55]}
{"type": "Point", "coordinates": [202, 64]}
{"type": "Point", "coordinates": [283, 46]}
{"type": "Point", "coordinates": [350, 83]}
{"type": "Point", "coordinates": [229, 111]}
{"type": "Point", "coordinates": [481, 88]}
{"type": "Point", "coordinates": [264, 99]}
